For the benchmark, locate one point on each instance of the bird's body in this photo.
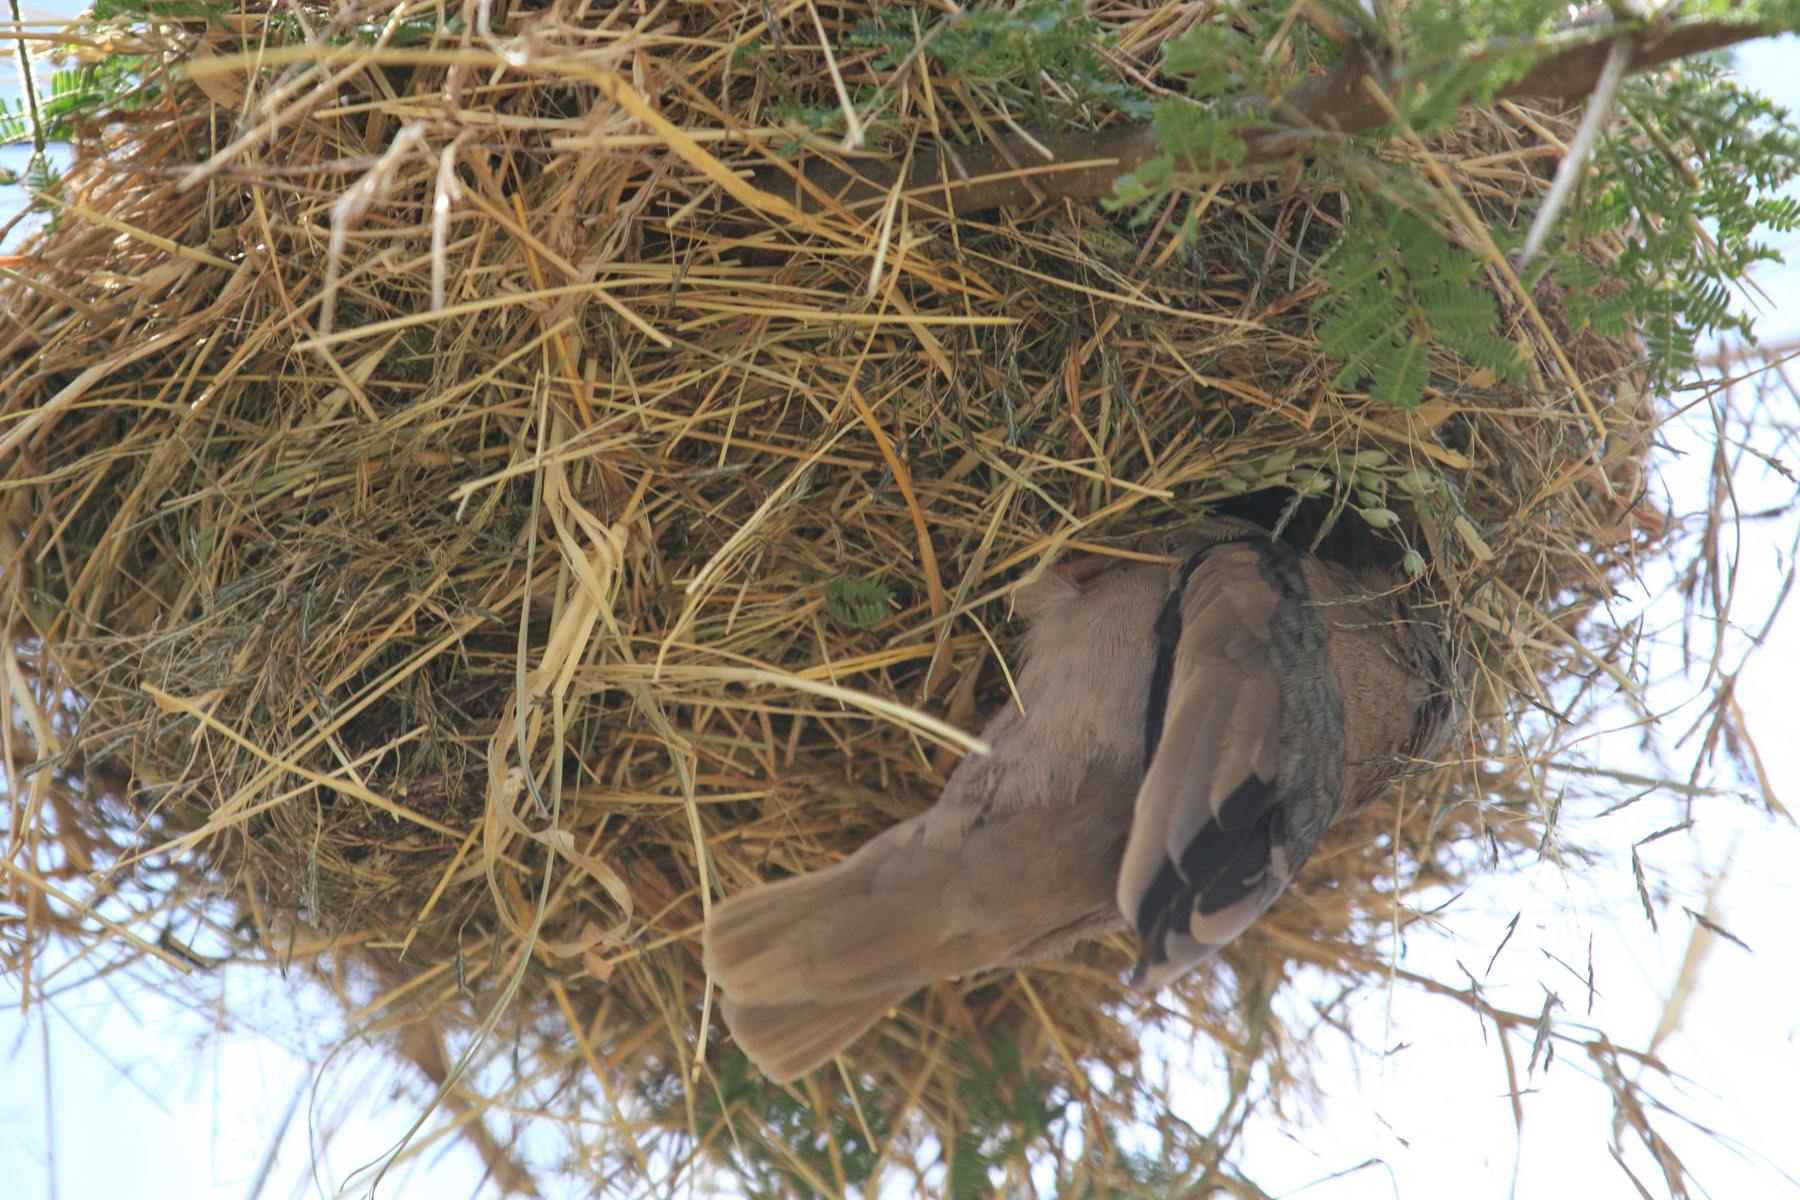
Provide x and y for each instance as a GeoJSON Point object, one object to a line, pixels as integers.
{"type": "Point", "coordinates": [1187, 734]}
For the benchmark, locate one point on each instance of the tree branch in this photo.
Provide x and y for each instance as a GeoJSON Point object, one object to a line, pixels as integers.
{"type": "Point", "coordinates": [1083, 166]}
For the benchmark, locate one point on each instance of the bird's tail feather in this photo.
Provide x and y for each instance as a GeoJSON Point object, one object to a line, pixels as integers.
{"type": "Point", "coordinates": [807, 964]}
{"type": "Point", "coordinates": [829, 936]}
{"type": "Point", "coordinates": [788, 1040]}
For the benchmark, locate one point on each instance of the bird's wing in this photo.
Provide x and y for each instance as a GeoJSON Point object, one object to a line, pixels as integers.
{"type": "Point", "coordinates": [1244, 740]}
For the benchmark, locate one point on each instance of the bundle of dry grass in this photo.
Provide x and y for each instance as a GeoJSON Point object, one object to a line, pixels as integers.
{"type": "Point", "coordinates": [456, 526]}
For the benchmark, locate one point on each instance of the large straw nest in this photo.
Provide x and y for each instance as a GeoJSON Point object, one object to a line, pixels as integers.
{"type": "Point", "coordinates": [452, 650]}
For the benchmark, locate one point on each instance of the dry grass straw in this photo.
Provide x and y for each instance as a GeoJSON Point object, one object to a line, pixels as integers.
{"type": "Point", "coordinates": [438, 493]}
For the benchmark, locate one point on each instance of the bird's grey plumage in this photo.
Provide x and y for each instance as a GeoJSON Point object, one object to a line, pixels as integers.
{"type": "Point", "coordinates": [1188, 733]}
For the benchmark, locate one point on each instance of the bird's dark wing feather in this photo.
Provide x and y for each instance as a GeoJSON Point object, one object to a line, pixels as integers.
{"type": "Point", "coordinates": [1235, 749]}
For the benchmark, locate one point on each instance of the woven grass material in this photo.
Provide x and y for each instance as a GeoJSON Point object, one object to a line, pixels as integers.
{"type": "Point", "coordinates": [463, 649]}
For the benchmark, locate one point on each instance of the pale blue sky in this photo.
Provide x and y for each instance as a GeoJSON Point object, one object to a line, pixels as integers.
{"type": "Point", "coordinates": [152, 1097]}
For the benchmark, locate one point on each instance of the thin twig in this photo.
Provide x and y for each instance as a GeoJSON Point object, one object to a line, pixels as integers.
{"type": "Point", "coordinates": [28, 85]}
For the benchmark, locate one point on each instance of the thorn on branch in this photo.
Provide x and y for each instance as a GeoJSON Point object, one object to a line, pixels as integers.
{"type": "Point", "coordinates": [1581, 148]}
